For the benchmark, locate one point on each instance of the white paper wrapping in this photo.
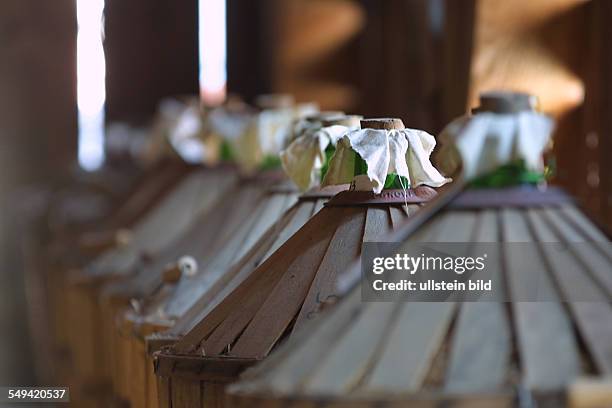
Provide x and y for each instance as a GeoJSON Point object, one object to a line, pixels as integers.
{"type": "Point", "coordinates": [265, 135]}
{"type": "Point", "coordinates": [229, 125]}
{"type": "Point", "coordinates": [185, 134]}
{"type": "Point", "coordinates": [304, 158]}
{"type": "Point", "coordinates": [486, 141]}
{"type": "Point", "coordinates": [404, 152]}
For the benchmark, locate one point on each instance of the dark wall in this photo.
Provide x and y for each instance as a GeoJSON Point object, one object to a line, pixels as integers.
{"type": "Point", "coordinates": [38, 138]}
{"type": "Point", "coordinates": [250, 44]}
{"type": "Point", "coordinates": [151, 51]}
{"type": "Point", "coordinates": [37, 89]}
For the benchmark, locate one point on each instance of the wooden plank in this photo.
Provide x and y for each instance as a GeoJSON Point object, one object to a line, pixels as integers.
{"type": "Point", "coordinates": [480, 362]}
{"type": "Point", "coordinates": [189, 290]}
{"type": "Point", "coordinates": [546, 342]}
{"type": "Point", "coordinates": [213, 395]}
{"type": "Point", "coordinates": [303, 213]}
{"type": "Point", "coordinates": [164, 392]}
{"type": "Point", "coordinates": [152, 390]}
{"type": "Point", "coordinates": [422, 326]}
{"type": "Point", "coordinates": [138, 376]}
{"type": "Point", "coordinates": [230, 280]}
{"type": "Point", "coordinates": [595, 254]}
{"type": "Point", "coordinates": [294, 221]}
{"type": "Point", "coordinates": [342, 252]}
{"type": "Point", "coordinates": [586, 227]}
{"type": "Point", "coordinates": [273, 208]}
{"type": "Point", "coordinates": [591, 309]}
{"type": "Point", "coordinates": [378, 224]}
{"type": "Point", "coordinates": [413, 339]}
{"type": "Point", "coordinates": [429, 231]}
{"type": "Point", "coordinates": [399, 214]}
{"type": "Point", "coordinates": [319, 205]}
{"type": "Point", "coordinates": [235, 311]}
{"type": "Point", "coordinates": [294, 361]}
{"type": "Point", "coordinates": [285, 300]}
{"type": "Point", "coordinates": [185, 393]}
{"type": "Point", "coordinates": [350, 355]}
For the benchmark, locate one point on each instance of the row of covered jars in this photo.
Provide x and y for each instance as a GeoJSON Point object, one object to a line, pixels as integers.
{"type": "Point", "coordinates": [234, 262]}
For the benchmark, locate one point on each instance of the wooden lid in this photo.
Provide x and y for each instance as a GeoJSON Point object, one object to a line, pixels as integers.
{"type": "Point", "coordinates": [386, 369]}
{"type": "Point", "coordinates": [274, 101]}
{"type": "Point", "coordinates": [506, 102]}
{"type": "Point", "coordinates": [342, 120]}
{"type": "Point", "coordinates": [383, 124]}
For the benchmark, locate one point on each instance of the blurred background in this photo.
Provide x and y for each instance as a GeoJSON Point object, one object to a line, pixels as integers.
{"type": "Point", "coordinates": [81, 80]}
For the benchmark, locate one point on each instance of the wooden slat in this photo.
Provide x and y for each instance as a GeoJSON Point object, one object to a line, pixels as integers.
{"type": "Point", "coordinates": [136, 380]}
{"type": "Point", "coordinates": [284, 301]}
{"type": "Point", "coordinates": [319, 205]}
{"type": "Point", "coordinates": [164, 393]}
{"type": "Point", "coordinates": [349, 357]}
{"type": "Point", "coordinates": [236, 310]}
{"type": "Point", "coordinates": [591, 310]}
{"type": "Point", "coordinates": [596, 255]}
{"type": "Point", "coordinates": [255, 284]}
{"type": "Point", "coordinates": [185, 393]}
{"type": "Point", "coordinates": [273, 208]}
{"type": "Point", "coordinates": [230, 279]}
{"type": "Point", "coordinates": [304, 212]}
{"type": "Point", "coordinates": [481, 347]}
{"type": "Point", "coordinates": [343, 250]}
{"type": "Point", "coordinates": [212, 395]}
{"type": "Point", "coordinates": [399, 214]}
{"type": "Point", "coordinates": [152, 391]}
{"type": "Point", "coordinates": [291, 364]}
{"type": "Point", "coordinates": [378, 224]}
{"type": "Point", "coordinates": [429, 230]}
{"type": "Point", "coordinates": [412, 342]}
{"type": "Point", "coordinates": [546, 342]}
{"type": "Point", "coordinates": [422, 326]}
{"type": "Point", "coordinates": [189, 290]}
{"type": "Point", "coordinates": [249, 197]}
{"type": "Point", "coordinates": [294, 221]}
{"type": "Point", "coordinates": [591, 232]}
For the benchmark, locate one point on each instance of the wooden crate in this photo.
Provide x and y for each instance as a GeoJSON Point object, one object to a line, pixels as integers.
{"type": "Point", "coordinates": [152, 186]}
{"type": "Point", "coordinates": [491, 354]}
{"type": "Point", "coordinates": [270, 221]}
{"type": "Point", "coordinates": [172, 216]}
{"type": "Point", "coordinates": [286, 291]}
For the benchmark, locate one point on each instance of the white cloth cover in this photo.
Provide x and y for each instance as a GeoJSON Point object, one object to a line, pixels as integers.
{"type": "Point", "coordinates": [265, 135]}
{"type": "Point", "coordinates": [185, 134]}
{"type": "Point", "coordinates": [404, 152]}
{"type": "Point", "coordinates": [486, 141]}
{"type": "Point", "coordinates": [303, 160]}
{"type": "Point", "coordinates": [227, 124]}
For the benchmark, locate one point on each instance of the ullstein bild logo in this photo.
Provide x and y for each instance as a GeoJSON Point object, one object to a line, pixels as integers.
{"type": "Point", "coordinates": [418, 264]}
{"type": "Point", "coordinates": [483, 272]}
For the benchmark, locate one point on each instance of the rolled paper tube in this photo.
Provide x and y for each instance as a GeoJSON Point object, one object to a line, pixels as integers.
{"type": "Point", "coordinates": [506, 102]}
{"type": "Point", "coordinates": [274, 101]}
{"type": "Point", "coordinates": [383, 124]}
{"type": "Point", "coordinates": [186, 265]}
